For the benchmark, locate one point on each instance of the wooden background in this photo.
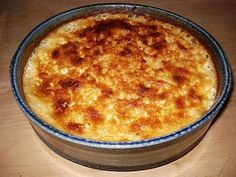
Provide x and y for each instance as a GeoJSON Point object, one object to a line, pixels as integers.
{"type": "Point", "coordinates": [22, 154]}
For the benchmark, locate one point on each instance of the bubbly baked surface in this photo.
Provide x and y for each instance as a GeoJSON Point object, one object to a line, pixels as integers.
{"type": "Point", "coordinates": [119, 77]}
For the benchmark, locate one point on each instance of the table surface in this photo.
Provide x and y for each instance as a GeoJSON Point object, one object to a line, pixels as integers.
{"type": "Point", "coordinates": [23, 154]}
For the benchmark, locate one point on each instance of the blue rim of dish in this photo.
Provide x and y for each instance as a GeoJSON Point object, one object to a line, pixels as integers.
{"type": "Point", "coordinates": [119, 145]}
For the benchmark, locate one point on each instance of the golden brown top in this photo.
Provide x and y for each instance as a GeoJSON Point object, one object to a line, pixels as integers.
{"type": "Point", "coordinates": [117, 77]}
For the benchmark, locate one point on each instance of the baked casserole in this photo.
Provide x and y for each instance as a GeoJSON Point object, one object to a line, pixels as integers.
{"type": "Point", "coordinates": [119, 77]}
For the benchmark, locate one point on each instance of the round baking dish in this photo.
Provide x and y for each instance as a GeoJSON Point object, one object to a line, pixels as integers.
{"type": "Point", "coordinates": [133, 155]}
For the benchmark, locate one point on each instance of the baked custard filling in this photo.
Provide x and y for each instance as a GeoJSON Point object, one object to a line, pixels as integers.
{"type": "Point", "coordinates": [119, 77]}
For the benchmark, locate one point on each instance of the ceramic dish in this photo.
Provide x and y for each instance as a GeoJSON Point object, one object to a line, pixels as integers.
{"type": "Point", "coordinates": [134, 155]}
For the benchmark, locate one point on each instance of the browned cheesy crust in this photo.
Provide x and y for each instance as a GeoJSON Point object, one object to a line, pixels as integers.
{"type": "Point", "coordinates": [119, 77]}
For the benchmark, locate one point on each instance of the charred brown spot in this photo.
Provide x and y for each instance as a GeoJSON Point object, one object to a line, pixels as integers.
{"type": "Point", "coordinates": [76, 127]}
{"type": "Point", "coordinates": [134, 103]}
{"type": "Point", "coordinates": [45, 87]}
{"type": "Point", "coordinates": [179, 79]}
{"type": "Point", "coordinates": [69, 83]}
{"type": "Point", "coordinates": [69, 48]}
{"type": "Point", "coordinates": [180, 103]}
{"type": "Point", "coordinates": [159, 45]}
{"type": "Point", "coordinates": [98, 69]}
{"type": "Point", "coordinates": [69, 51]}
{"type": "Point", "coordinates": [143, 61]}
{"type": "Point", "coordinates": [181, 46]}
{"type": "Point", "coordinates": [145, 91]}
{"type": "Point", "coordinates": [100, 42]}
{"type": "Point", "coordinates": [56, 53]}
{"type": "Point", "coordinates": [43, 75]}
{"type": "Point", "coordinates": [110, 24]}
{"type": "Point", "coordinates": [61, 106]}
{"type": "Point", "coordinates": [106, 26]}
{"type": "Point", "coordinates": [135, 127]}
{"type": "Point", "coordinates": [142, 89]}
{"type": "Point", "coordinates": [86, 78]}
{"type": "Point", "coordinates": [192, 94]}
{"type": "Point", "coordinates": [75, 60]}
{"type": "Point", "coordinates": [126, 52]}
{"type": "Point", "coordinates": [181, 71]}
{"type": "Point", "coordinates": [194, 41]}
{"type": "Point", "coordinates": [96, 51]}
{"type": "Point", "coordinates": [167, 64]}
{"type": "Point", "coordinates": [155, 34]}
{"type": "Point", "coordinates": [94, 116]}
{"type": "Point", "coordinates": [107, 93]}
{"type": "Point", "coordinates": [163, 95]}
{"type": "Point", "coordinates": [90, 37]}
{"type": "Point", "coordinates": [58, 92]}
{"type": "Point", "coordinates": [144, 39]}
